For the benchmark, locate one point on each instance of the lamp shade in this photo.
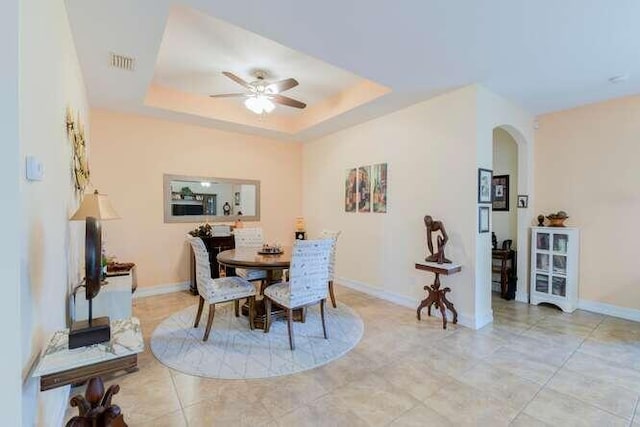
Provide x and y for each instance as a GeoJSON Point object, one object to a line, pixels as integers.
{"type": "Point", "coordinates": [97, 206]}
{"type": "Point", "coordinates": [299, 223]}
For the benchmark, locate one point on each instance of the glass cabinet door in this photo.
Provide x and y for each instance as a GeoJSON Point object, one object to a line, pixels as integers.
{"type": "Point", "coordinates": [542, 283]}
{"type": "Point", "coordinates": [560, 243]}
{"type": "Point", "coordinates": [542, 241]}
{"type": "Point", "coordinates": [560, 264]}
{"type": "Point", "coordinates": [542, 262]}
{"type": "Point", "coordinates": [559, 286]}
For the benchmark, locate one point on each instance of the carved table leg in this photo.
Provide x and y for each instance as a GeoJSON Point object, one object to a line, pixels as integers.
{"type": "Point", "coordinates": [449, 304]}
{"type": "Point", "coordinates": [443, 309]}
{"type": "Point", "coordinates": [427, 302]}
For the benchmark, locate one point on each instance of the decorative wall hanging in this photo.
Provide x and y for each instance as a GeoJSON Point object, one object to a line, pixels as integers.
{"type": "Point", "coordinates": [483, 219]}
{"type": "Point", "coordinates": [500, 193]}
{"type": "Point", "coordinates": [80, 165]}
{"type": "Point", "coordinates": [523, 201]}
{"type": "Point", "coordinates": [380, 188]}
{"type": "Point", "coordinates": [484, 185]}
{"type": "Point", "coordinates": [350, 190]}
{"type": "Point", "coordinates": [364, 189]}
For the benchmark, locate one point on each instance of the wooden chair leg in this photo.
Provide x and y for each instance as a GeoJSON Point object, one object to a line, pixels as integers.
{"type": "Point", "coordinates": [212, 312]}
{"type": "Point", "coordinates": [252, 312]}
{"type": "Point", "coordinates": [262, 286]}
{"type": "Point", "coordinates": [324, 326]}
{"type": "Point", "coordinates": [332, 295]}
{"type": "Point", "coordinates": [292, 344]}
{"type": "Point", "coordinates": [199, 313]}
{"type": "Point", "coordinates": [236, 306]}
{"type": "Point", "coordinates": [267, 310]}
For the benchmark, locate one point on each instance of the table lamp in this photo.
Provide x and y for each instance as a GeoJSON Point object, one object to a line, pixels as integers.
{"type": "Point", "coordinates": [300, 233]}
{"type": "Point", "coordinates": [94, 208]}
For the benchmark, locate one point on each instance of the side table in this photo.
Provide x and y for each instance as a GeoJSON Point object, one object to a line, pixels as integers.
{"type": "Point", "coordinates": [437, 296]}
{"type": "Point", "coordinates": [60, 366]}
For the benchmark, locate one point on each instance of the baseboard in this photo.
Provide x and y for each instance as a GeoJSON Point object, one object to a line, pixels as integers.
{"type": "Point", "coordinates": [405, 301]}
{"type": "Point", "coordinates": [161, 289]}
{"type": "Point", "coordinates": [522, 297]}
{"type": "Point", "coordinates": [610, 310]}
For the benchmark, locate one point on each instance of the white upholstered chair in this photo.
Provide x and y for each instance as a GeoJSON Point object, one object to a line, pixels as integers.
{"type": "Point", "coordinates": [223, 289]}
{"type": "Point", "coordinates": [307, 285]}
{"type": "Point", "coordinates": [329, 234]}
{"type": "Point", "coordinates": [249, 238]}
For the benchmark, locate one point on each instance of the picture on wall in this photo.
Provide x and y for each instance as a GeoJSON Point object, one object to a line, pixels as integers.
{"type": "Point", "coordinates": [500, 193]}
{"type": "Point", "coordinates": [350, 190]}
{"type": "Point", "coordinates": [380, 188]}
{"type": "Point", "coordinates": [484, 185]}
{"type": "Point", "coordinates": [523, 201]}
{"type": "Point", "coordinates": [364, 189]}
{"type": "Point", "coordinates": [483, 219]}
{"type": "Point", "coordinates": [236, 198]}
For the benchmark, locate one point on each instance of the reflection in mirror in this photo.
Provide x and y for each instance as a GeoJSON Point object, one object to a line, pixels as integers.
{"type": "Point", "coordinates": [199, 199]}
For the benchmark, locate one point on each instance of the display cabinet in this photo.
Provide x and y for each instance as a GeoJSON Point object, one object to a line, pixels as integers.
{"type": "Point", "coordinates": [554, 266]}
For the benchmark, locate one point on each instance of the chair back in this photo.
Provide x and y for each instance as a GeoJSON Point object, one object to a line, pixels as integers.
{"type": "Point", "coordinates": [330, 234]}
{"type": "Point", "coordinates": [248, 237]}
{"type": "Point", "coordinates": [203, 266]}
{"type": "Point", "coordinates": [309, 270]}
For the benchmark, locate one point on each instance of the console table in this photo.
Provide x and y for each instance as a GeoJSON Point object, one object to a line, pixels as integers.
{"type": "Point", "coordinates": [60, 366]}
{"type": "Point", "coordinates": [437, 296]}
{"type": "Point", "coordinates": [214, 246]}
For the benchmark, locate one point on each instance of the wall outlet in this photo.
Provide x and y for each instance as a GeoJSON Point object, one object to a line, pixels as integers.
{"type": "Point", "coordinates": [35, 169]}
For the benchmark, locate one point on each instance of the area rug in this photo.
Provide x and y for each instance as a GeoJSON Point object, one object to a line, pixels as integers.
{"type": "Point", "coordinates": [233, 351]}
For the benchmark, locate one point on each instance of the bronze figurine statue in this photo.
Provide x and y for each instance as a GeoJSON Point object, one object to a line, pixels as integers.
{"type": "Point", "coordinates": [441, 240]}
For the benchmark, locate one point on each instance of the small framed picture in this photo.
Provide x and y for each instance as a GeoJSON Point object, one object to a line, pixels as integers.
{"type": "Point", "coordinates": [484, 185]}
{"type": "Point", "coordinates": [523, 201]}
{"type": "Point", "coordinates": [483, 219]}
{"type": "Point", "coordinates": [501, 193]}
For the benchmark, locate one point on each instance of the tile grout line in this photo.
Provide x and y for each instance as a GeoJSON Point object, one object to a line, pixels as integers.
{"type": "Point", "coordinates": [558, 370]}
{"type": "Point", "coordinates": [175, 388]}
{"type": "Point", "coordinates": [635, 410]}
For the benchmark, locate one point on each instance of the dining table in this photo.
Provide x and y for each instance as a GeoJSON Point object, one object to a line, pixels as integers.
{"type": "Point", "coordinates": [255, 259]}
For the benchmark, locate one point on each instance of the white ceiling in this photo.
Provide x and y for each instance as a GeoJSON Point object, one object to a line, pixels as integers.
{"type": "Point", "coordinates": [545, 55]}
{"type": "Point", "coordinates": [197, 48]}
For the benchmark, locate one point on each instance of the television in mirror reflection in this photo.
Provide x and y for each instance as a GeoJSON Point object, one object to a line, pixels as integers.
{"type": "Point", "coordinates": [210, 199]}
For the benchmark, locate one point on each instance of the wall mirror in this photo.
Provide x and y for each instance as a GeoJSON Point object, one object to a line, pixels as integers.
{"type": "Point", "coordinates": [207, 199]}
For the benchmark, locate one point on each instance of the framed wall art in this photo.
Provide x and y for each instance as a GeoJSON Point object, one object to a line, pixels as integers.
{"type": "Point", "coordinates": [379, 184]}
{"type": "Point", "coordinates": [364, 189]}
{"type": "Point", "coordinates": [484, 185]}
{"type": "Point", "coordinates": [523, 201]}
{"type": "Point", "coordinates": [350, 190]}
{"type": "Point", "coordinates": [500, 193]}
{"type": "Point", "coordinates": [484, 212]}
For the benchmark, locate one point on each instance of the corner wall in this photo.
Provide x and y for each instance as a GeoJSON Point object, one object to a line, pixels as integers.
{"type": "Point", "coordinates": [430, 149]}
{"type": "Point", "coordinates": [10, 219]}
{"type": "Point", "coordinates": [587, 165]}
{"type": "Point", "coordinates": [130, 154]}
{"type": "Point", "coordinates": [50, 80]}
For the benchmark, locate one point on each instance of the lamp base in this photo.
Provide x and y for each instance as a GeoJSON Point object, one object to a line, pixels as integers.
{"type": "Point", "coordinates": [82, 334]}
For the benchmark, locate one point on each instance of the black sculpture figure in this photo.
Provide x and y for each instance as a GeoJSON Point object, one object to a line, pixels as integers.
{"type": "Point", "coordinates": [433, 226]}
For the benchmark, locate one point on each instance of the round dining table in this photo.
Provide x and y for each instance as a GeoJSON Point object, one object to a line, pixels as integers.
{"type": "Point", "coordinates": [252, 259]}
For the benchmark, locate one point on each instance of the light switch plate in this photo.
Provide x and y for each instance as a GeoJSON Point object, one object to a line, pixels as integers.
{"type": "Point", "coordinates": [35, 169]}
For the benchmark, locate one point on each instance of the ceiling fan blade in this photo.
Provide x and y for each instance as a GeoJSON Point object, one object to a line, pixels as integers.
{"type": "Point", "coordinates": [228, 95]}
{"type": "Point", "coordinates": [285, 100]}
{"type": "Point", "coordinates": [237, 80]}
{"type": "Point", "coordinates": [281, 86]}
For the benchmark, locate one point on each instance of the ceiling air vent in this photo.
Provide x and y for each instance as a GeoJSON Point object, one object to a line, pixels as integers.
{"type": "Point", "coordinates": [121, 61]}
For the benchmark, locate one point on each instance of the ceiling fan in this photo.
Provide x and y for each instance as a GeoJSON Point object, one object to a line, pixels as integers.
{"type": "Point", "coordinates": [261, 94]}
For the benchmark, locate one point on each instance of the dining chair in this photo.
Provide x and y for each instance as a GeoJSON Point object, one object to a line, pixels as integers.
{"type": "Point", "coordinates": [307, 285]}
{"type": "Point", "coordinates": [250, 238]}
{"type": "Point", "coordinates": [329, 234]}
{"type": "Point", "coordinates": [223, 289]}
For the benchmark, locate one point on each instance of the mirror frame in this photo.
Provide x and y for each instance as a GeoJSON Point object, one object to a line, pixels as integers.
{"type": "Point", "coordinates": [169, 218]}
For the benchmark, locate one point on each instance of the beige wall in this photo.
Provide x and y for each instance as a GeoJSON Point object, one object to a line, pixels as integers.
{"type": "Point", "coordinates": [430, 151]}
{"type": "Point", "coordinates": [50, 80]}
{"type": "Point", "coordinates": [505, 162]}
{"type": "Point", "coordinates": [131, 153]}
{"type": "Point", "coordinates": [587, 165]}
{"type": "Point", "coordinates": [11, 366]}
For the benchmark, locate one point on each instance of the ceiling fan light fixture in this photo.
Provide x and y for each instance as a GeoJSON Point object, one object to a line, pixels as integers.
{"type": "Point", "coordinates": [259, 104]}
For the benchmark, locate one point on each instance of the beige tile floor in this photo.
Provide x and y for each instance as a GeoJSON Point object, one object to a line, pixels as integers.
{"type": "Point", "coordinates": [534, 366]}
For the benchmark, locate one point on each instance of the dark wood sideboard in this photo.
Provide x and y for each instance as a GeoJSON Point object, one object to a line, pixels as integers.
{"type": "Point", "coordinates": [214, 245]}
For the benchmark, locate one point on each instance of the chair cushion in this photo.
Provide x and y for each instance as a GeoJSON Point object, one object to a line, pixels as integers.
{"type": "Point", "coordinates": [251, 274]}
{"type": "Point", "coordinates": [281, 293]}
{"type": "Point", "coordinates": [227, 289]}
